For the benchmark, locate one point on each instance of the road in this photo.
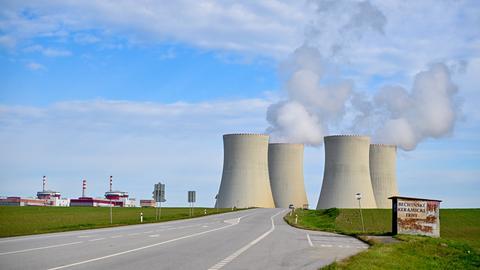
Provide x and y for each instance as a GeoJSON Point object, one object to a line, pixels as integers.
{"type": "Point", "coordinates": [250, 239]}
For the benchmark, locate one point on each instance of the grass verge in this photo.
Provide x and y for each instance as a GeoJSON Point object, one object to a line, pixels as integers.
{"type": "Point", "coordinates": [458, 247]}
{"type": "Point", "coordinates": [15, 221]}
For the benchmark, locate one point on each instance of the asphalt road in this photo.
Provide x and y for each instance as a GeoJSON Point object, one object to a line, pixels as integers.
{"type": "Point", "coordinates": [251, 239]}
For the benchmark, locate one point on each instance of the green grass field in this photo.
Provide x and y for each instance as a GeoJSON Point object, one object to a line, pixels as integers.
{"type": "Point", "coordinates": [458, 247]}
{"type": "Point", "coordinates": [16, 221]}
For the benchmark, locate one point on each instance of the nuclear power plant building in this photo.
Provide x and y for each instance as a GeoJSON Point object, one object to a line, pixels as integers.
{"type": "Point", "coordinates": [245, 180]}
{"type": "Point", "coordinates": [383, 173]}
{"type": "Point", "coordinates": [285, 166]}
{"type": "Point", "coordinates": [346, 172]}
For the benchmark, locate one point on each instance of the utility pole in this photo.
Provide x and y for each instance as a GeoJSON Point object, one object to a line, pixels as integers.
{"type": "Point", "coordinates": [111, 206]}
{"type": "Point", "coordinates": [358, 196]}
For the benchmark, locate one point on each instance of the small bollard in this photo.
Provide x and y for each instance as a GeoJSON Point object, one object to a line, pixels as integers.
{"type": "Point", "coordinates": [205, 211]}
{"type": "Point", "coordinates": [141, 217]}
{"type": "Point", "coordinates": [296, 219]}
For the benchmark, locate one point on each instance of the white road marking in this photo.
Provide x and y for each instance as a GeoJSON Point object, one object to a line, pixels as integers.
{"type": "Point", "coordinates": [86, 236]}
{"type": "Point", "coordinates": [309, 240]}
{"type": "Point", "coordinates": [204, 226]}
{"type": "Point", "coordinates": [132, 234]}
{"type": "Point", "coordinates": [237, 253]}
{"type": "Point", "coordinates": [97, 239]}
{"type": "Point", "coordinates": [323, 245]}
{"type": "Point", "coordinates": [154, 235]}
{"type": "Point", "coordinates": [145, 247]}
{"type": "Point", "coordinates": [148, 232]}
{"type": "Point", "coordinates": [116, 236]}
{"type": "Point", "coordinates": [32, 249]}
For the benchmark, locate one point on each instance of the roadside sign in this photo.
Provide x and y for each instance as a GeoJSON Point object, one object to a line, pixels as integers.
{"type": "Point", "coordinates": [191, 196]}
{"type": "Point", "coordinates": [159, 192]}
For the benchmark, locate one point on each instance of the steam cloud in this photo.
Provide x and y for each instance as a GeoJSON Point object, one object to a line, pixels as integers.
{"type": "Point", "coordinates": [393, 115]}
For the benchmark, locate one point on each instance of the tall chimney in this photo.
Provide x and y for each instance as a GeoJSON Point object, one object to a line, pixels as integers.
{"type": "Point", "coordinates": [111, 183]}
{"type": "Point", "coordinates": [84, 187]}
{"type": "Point", "coordinates": [44, 182]}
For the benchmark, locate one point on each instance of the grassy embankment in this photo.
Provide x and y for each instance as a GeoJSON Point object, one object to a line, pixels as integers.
{"type": "Point", "coordinates": [458, 247]}
{"type": "Point", "coordinates": [16, 221]}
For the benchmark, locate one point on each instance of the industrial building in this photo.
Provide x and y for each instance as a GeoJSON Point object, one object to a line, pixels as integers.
{"type": "Point", "coordinates": [346, 172]}
{"type": "Point", "coordinates": [285, 167]}
{"type": "Point", "coordinates": [92, 202]}
{"type": "Point", "coordinates": [119, 198]}
{"type": "Point", "coordinates": [50, 197]}
{"type": "Point", "coordinates": [19, 201]}
{"type": "Point", "coordinates": [89, 201]}
{"type": "Point", "coordinates": [383, 173]}
{"type": "Point", "coordinates": [245, 179]}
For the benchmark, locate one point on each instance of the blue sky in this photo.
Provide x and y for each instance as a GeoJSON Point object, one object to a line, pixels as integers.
{"type": "Point", "coordinates": [144, 91]}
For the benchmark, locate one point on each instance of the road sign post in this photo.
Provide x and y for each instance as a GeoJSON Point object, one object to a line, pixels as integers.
{"type": "Point", "coordinates": [159, 197]}
{"type": "Point", "coordinates": [191, 200]}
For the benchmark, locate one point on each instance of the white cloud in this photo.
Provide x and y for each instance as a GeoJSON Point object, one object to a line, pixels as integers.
{"type": "Point", "coordinates": [7, 42]}
{"type": "Point", "coordinates": [49, 52]}
{"type": "Point", "coordinates": [85, 38]}
{"type": "Point", "coordinates": [415, 33]}
{"type": "Point", "coordinates": [35, 66]}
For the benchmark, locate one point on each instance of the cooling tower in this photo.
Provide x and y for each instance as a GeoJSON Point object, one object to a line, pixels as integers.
{"type": "Point", "coordinates": [245, 180]}
{"type": "Point", "coordinates": [383, 172]}
{"type": "Point", "coordinates": [346, 173]}
{"type": "Point", "coordinates": [285, 166]}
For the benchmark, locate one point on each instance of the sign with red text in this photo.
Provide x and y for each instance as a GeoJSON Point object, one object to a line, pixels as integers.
{"type": "Point", "coordinates": [416, 216]}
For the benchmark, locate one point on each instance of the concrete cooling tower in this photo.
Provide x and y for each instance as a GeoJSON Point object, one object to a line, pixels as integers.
{"type": "Point", "coordinates": [383, 168]}
{"type": "Point", "coordinates": [285, 166]}
{"type": "Point", "coordinates": [346, 173]}
{"type": "Point", "coordinates": [245, 180]}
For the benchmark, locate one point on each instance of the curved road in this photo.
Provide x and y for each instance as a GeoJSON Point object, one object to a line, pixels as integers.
{"type": "Point", "coordinates": [251, 239]}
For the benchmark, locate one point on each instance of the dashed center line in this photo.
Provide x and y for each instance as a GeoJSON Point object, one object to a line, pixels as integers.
{"type": "Point", "coordinates": [97, 239]}
{"type": "Point", "coordinates": [86, 236]}
{"type": "Point", "coordinates": [31, 249]}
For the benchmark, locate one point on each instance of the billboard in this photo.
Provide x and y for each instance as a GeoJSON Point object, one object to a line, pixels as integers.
{"type": "Point", "coordinates": [415, 216]}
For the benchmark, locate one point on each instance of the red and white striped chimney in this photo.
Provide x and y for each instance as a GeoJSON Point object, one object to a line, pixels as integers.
{"type": "Point", "coordinates": [84, 187]}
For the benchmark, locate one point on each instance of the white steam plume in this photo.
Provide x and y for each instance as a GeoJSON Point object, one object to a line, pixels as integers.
{"type": "Point", "coordinates": [313, 105]}
{"type": "Point", "coordinates": [393, 115]}
{"type": "Point", "coordinates": [310, 105]}
{"type": "Point", "coordinates": [429, 110]}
